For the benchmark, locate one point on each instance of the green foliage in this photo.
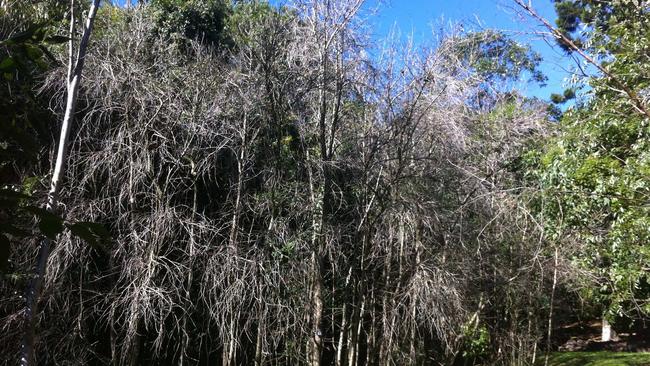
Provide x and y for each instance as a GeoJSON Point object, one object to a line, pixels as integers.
{"type": "Point", "coordinates": [251, 22]}
{"type": "Point", "coordinates": [595, 174]}
{"type": "Point", "coordinates": [19, 225]}
{"type": "Point", "coordinates": [22, 12]}
{"type": "Point", "coordinates": [496, 57]}
{"type": "Point", "coordinates": [477, 342]}
{"type": "Point", "coordinates": [567, 95]}
{"type": "Point", "coordinates": [25, 57]}
{"type": "Point", "coordinates": [585, 22]}
{"type": "Point", "coordinates": [201, 20]}
{"type": "Point", "coordinates": [92, 233]}
{"type": "Point", "coordinates": [595, 184]}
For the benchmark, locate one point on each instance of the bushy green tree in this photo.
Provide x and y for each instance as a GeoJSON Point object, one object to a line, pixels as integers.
{"type": "Point", "coordinates": [595, 175]}
{"type": "Point", "coordinates": [585, 22]}
{"type": "Point", "coordinates": [201, 20]}
{"type": "Point", "coordinates": [499, 57]}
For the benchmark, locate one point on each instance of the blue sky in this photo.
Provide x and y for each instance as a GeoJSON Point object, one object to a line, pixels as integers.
{"type": "Point", "coordinates": [416, 17]}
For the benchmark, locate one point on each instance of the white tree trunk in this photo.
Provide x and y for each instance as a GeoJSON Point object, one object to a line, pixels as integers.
{"type": "Point", "coordinates": [74, 76]}
{"type": "Point", "coordinates": [606, 335]}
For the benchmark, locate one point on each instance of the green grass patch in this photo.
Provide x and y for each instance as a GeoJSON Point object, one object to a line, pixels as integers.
{"type": "Point", "coordinates": [602, 358]}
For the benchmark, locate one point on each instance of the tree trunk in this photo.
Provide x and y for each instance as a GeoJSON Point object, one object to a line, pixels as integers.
{"type": "Point", "coordinates": [75, 68]}
{"type": "Point", "coordinates": [339, 348]}
{"type": "Point", "coordinates": [606, 334]}
{"type": "Point", "coordinates": [550, 311]}
{"type": "Point", "coordinates": [352, 338]}
{"type": "Point", "coordinates": [354, 357]}
{"type": "Point", "coordinates": [371, 336]}
{"type": "Point", "coordinates": [316, 336]}
{"type": "Point", "coordinates": [258, 342]}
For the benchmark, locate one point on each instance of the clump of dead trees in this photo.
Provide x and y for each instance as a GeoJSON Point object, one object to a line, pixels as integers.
{"type": "Point", "coordinates": [298, 198]}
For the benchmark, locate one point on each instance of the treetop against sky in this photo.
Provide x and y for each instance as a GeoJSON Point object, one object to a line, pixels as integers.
{"type": "Point", "coordinates": [419, 18]}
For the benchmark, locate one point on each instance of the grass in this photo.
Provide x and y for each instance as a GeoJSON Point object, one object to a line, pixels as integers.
{"type": "Point", "coordinates": [601, 358]}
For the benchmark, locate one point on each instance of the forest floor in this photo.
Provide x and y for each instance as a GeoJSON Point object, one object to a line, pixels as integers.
{"type": "Point", "coordinates": [600, 358]}
{"type": "Point", "coordinates": [585, 336]}
{"type": "Point", "coordinates": [579, 344]}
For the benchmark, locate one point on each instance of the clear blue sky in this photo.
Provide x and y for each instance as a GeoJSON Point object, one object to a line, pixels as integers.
{"type": "Point", "coordinates": [416, 18]}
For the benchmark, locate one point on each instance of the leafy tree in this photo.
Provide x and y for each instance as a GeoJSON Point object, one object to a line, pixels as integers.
{"type": "Point", "coordinates": [567, 95]}
{"type": "Point", "coordinates": [201, 20]}
{"type": "Point", "coordinates": [587, 23]}
{"type": "Point", "coordinates": [495, 57]}
{"type": "Point", "coordinates": [24, 129]}
{"type": "Point", "coordinates": [494, 61]}
{"type": "Point", "coordinates": [595, 174]}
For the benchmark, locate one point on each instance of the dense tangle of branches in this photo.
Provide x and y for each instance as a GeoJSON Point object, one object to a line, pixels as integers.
{"type": "Point", "coordinates": [289, 200]}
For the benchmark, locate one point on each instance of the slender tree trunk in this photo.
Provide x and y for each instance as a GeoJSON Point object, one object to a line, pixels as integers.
{"type": "Point", "coordinates": [316, 338]}
{"type": "Point", "coordinates": [371, 336]}
{"type": "Point", "coordinates": [114, 357]}
{"type": "Point", "coordinates": [229, 347]}
{"type": "Point", "coordinates": [352, 338]}
{"type": "Point", "coordinates": [386, 319]}
{"type": "Point", "coordinates": [241, 160]}
{"type": "Point", "coordinates": [258, 342]}
{"type": "Point", "coordinates": [413, 339]}
{"type": "Point", "coordinates": [314, 342]}
{"type": "Point", "coordinates": [75, 68]}
{"type": "Point", "coordinates": [418, 260]}
{"type": "Point", "coordinates": [550, 311]}
{"type": "Point", "coordinates": [344, 324]}
{"type": "Point", "coordinates": [354, 358]}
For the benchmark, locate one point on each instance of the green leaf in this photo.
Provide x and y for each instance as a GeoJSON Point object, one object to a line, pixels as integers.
{"type": "Point", "coordinates": [56, 39]}
{"type": "Point", "coordinates": [41, 212]}
{"type": "Point", "coordinates": [84, 233]}
{"type": "Point", "coordinates": [33, 52]}
{"type": "Point", "coordinates": [29, 183]}
{"type": "Point", "coordinates": [50, 224]}
{"type": "Point", "coordinates": [50, 227]}
{"type": "Point", "coordinates": [92, 233]}
{"type": "Point", "coordinates": [8, 64]}
{"type": "Point", "coordinates": [22, 37]}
